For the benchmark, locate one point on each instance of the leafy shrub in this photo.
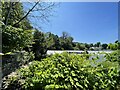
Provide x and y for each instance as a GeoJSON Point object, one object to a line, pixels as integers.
{"type": "Point", "coordinates": [65, 72]}
{"type": "Point", "coordinates": [114, 56]}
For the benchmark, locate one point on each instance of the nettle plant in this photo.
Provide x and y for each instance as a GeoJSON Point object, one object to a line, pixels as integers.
{"type": "Point", "coordinates": [66, 72]}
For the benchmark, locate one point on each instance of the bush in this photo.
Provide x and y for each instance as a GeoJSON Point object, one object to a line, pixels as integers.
{"type": "Point", "coordinates": [65, 72]}
{"type": "Point", "coordinates": [114, 56]}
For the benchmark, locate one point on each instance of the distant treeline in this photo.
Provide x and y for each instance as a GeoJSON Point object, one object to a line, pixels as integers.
{"type": "Point", "coordinates": [49, 41]}
{"type": "Point", "coordinates": [65, 42]}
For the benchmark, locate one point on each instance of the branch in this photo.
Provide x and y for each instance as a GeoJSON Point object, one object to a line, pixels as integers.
{"type": "Point", "coordinates": [26, 14]}
{"type": "Point", "coordinates": [6, 19]}
{"type": "Point", "coordinates": [43, 9]}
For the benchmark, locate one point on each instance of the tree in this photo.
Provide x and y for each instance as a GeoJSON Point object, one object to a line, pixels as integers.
{"type": "Point", "coordinates": [98, 44]}
{"type": "Point", "coordinates": [66, 41]}
{"type": "Point", "coordinates": [87, 46]}
{"type": "Point", "coordinates": [20, 36]}
{"type": "Point", "coordinates": [80, 46]}
{"type": "Point", "coordinates": [57, 42]}
{"type": "Point", "coordinates": [12, 12]}
{"type": "Point", "coordinates": [1, 23]}
{"type": "Point", "coordinates": [104, 46]}
{"type": "Point", "coordinates": [39, 10]}
{"type": "Point", "coordinates": [39, 45]}
{"type": "Point", "coordinates": [91, 44]}
{"type": "Point", "coordinates": [16, 19]}
{"type": "Point", "coordinates": [52, 41]}
{"type": "Point", "coordinates": [65, 35]}
{"type": "Point", "coordinates": [13, 17]}
{"type": "Point", "coordinates": [16, 39]}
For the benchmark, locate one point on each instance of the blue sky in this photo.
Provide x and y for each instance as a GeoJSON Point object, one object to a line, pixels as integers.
{"type": "Point", "coordinates": [85, 22]}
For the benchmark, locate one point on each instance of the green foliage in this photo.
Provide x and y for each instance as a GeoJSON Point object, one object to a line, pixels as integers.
{"type": "Point", "coordinates": [79, 46]}
{"type": "Point", "coordinates": [114, 56]}
{"type": "Point", "coordinates": [12, 12]}
{"type": "Point", "coordinates": [52, 41]}
{"type": "Point", "coordinates": [113, 46]}
{"type": "Point", "coordinates": [59, 43]}
{"type": "Point", "coordinates": [104, 46]}
{"type": "Point", "coordinates": [15, 38]}
{"type": "Point", "coordinates": [67, 72]}
{"type": "Point", "coordinates": [39, 45]}
{"type": "Point", "coordinates": [66, 41]}
{"type": "Point", "coordinates": [97, 44]}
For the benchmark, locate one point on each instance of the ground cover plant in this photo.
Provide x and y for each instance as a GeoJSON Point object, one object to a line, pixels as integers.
{"type": "Point", "coordinates": [66, 72]}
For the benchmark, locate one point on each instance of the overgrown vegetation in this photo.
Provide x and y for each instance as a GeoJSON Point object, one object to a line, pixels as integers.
{"type": "Point", "coordinates": [66, 72]}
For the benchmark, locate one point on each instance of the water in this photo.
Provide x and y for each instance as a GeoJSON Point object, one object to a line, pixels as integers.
{"type": "Point", "coordinates": [99, 54]}
{"type": "Point", "coordinates": [49, 52]}
{"type": "Point", "coordinates": [101, 58]}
